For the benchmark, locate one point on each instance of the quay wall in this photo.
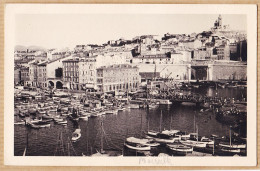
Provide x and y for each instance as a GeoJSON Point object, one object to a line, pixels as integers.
{"type": "Point", "coordinates": [171, 71]}
{"type": "Point", "coordinates": [227, 72]}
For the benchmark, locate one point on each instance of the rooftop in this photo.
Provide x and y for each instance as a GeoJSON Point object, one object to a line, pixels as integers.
{"type": "Point", "coordinates": [116, 66]}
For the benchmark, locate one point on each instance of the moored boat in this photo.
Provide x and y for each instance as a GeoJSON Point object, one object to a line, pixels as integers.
{"type": "Point", "coordinates": [147, 142]}
{"type": "Point", "coordinates": [76, 135]}
{"type": "Point", "coordinates": [179, 149]}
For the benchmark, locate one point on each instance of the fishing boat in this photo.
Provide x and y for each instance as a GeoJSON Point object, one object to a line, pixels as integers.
{"type": "Point", "coordinates": [195, 86]}
{"type": "Point", "coordinates": [42, 112]}
{"type": "Point", "coordinates": [133, 106]}
{"type": "Point", "coordinates": [121, 108]}
{"type": "Point", "coordinates": [179, 149]}
{"type": "Point", "coordinates": [147, 142]}
{"type": "Point", "coordinates": [20, 123]}
{"type": "Point", "coordinates": [137, 147]}
{"type": "Point", "coordinates": [32, 111]}
{"type": "Point", "coordinates": [58, 119]}
{"type": "Point", "coordinates": [152, 134]}
{"type": "Point", "coordinates": [165, 137]}
{"type": "Point", "coordinates": [153, 105]}
{"type": "Point", "coordinates": [93, 114]}
{"type": "Point", "coordinates": [47, 116]}
{"type": "Point", "coordinates": [76, 135]}
{"type": "Point", "coordinates": [35, 120]}
{"type": "Point", "coordinates": [85, 118]}
{"type": "Point", "coordinates": [44, 125]}
{"type": "Point", "coordinates": [39, 125]}
{"type": "Point", "coordinates": [164, 102]}
{"type": "Point", "coordinates": [231, 148]}
{"type": "Point", "coordinates": [63, 122]}
{"type": "Point", "coordinates": [197, 142]}
{"type": "Point", "coordinates": [111, 111]}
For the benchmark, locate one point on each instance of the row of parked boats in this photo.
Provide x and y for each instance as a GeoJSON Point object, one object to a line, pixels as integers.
{"type": "Point", "coordinates": [178, 143]}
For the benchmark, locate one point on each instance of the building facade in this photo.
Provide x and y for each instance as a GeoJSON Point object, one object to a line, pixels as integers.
{"type": "Point", "coordinates": [25, 75]}
{"type": "Point", "coordinates": [122, 77]}
{"type": "Point", "coordinates": [223, 52]}
{"type": "Point", "coordinates": [71, 73]}
{"type": "Point", "coordinates": [41, 75]}
{"type": "Point", "coordinates": [33, 74]}
{"type": "Point", "coordinates": [87, 73]}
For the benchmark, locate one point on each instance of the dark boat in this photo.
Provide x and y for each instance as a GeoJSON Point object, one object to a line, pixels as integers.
{"type": "Point", "coordinates": [179, 149]}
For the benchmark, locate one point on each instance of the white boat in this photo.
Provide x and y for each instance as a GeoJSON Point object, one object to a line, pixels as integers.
{"type": "Point", "coordinates": [85, 118]}
{"type": "Point", "coordinates": [152, 134]}
{"type": "Point", "coordinates": [58, 119]}
{"type": "Point", "coordinates": [133, 106]}
{"type": "Point", "coordinates": [194, 141]}
{"type": "Point", "coordinates": [165, 139]}
{"type": "Point", "coordinates": [233, 146]}
{"type": "Point", "coordinates": [64, 122]}
{"type": "Point", "coordinates": [230, 150]}
{"type": "Point", "coordinates": [138, 147]}
{"type": "Point", "coordinates": [44, 125]}
{"type": "Point", "coordinates": [179, 149]}
{"type": "Point", "coordinates": [153, 105]}
{"type": "Point", "coordinates": [143, 141]}
{"type": "Point", "coordinates": [42, 112]}
{"type": "Point", "coordinates": [166, 102]}
{"type": "Point", "coordinates": [20, 123]}
{"type": "Point", "coordinates": [35, 120]}
{"type": "Point", "coordinates": [111, 112]}
{"type": "Point", "coordinates": [76, 135]}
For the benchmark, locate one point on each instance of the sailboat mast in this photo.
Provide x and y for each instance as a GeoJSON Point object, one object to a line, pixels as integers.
{"type": "Point", "coordinates": [230, 136]}
{"type": "Point", "coordinates": [148, 126]}
{"type": "Point", "coordinates": [194, 124]}
{"type": "Point", "coordinates": [161, 122]}
{"type": "Point", "coordinates": [101, 149]}
{"type": "Point", "coordinates": [197, 133]}
{"type": "Point", "coordinates": [171, 123]}
{"type": "Point", "coordinates": [141, 125]}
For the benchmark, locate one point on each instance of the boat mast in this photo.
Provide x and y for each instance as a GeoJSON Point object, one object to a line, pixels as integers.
{"type": "Point", "coordinates": [230, 136]}
{"type": "Point", "coordinates": [141, 126]}
{"type": "Point", "coordinates": [101, 149]}
{"type": "Point", "coordinates": [171, 123]}
{"type": "Point", "coordinates": [194, 123]}
{"type": "Point", "coordinates": [161, 122]}
{"type": "Point", "coordinates": [24, 153]}
{"type": "Point", "coordinates": [197, 132]}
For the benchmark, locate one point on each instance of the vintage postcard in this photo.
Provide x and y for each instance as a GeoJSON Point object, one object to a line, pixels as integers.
{"type": "Point", "coordinates": [130, 85]}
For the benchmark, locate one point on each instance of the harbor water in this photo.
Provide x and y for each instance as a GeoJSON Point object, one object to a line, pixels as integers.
{"type": "Point", "coordinates": [55, 140]}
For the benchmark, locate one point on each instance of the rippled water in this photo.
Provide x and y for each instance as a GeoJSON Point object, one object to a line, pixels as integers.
{"type": "Point", "coordinates": [131, 122]}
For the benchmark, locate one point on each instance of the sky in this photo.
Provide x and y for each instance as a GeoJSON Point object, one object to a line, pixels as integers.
{"type": "Point", "coordinates": [68, 30]}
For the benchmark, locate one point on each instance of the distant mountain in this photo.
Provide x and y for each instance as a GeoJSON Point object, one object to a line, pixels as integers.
{"type": "Point", "coordinates": [33, 48]}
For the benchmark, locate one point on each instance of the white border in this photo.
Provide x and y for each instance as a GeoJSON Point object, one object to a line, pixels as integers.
{"type": "Point", "coordinates": [12, 9]}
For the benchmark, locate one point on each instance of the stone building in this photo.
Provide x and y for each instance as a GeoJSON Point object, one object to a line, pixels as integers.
{"type": "Point", "coordinates": [223, 52]}
{"type": "Point", "coordinates": [122, 77]}
{"type": "Point", "coordinates": [41, 75]}
{"type": "Point", "coordinates": [87, 73]}
{"type": "Point", "coordinates": [71, 73]}
{"type": "Point", "coordinates": [16, 75]}
{"type": "Point", "coordinates": [33, 73]}
{"type": "Point", "coordinates": [24, 75]}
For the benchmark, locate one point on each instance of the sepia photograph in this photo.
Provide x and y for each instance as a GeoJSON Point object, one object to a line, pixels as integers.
{"type": "Point", "coordinates": [120, 84]}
